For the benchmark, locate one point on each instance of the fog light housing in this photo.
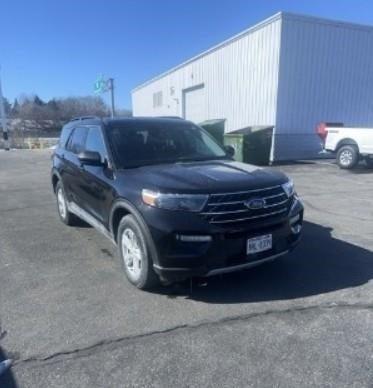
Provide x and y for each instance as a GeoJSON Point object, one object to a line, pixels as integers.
{"type": "Point", "coordinates": [296, 228]}
{"type": "Point", "coordinates": [295, 219]}
{"type": "Point", "coordinates": [295, 224]}
{"type": "Point", "coordinates": [190, 238]}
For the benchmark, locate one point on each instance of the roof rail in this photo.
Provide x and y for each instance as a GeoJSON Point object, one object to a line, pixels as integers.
{"type": "Point", "coordinates": [85, 118]}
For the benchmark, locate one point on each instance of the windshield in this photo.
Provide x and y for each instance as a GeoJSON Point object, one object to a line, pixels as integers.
{"type": "Point", "coordinates": [141, 143]}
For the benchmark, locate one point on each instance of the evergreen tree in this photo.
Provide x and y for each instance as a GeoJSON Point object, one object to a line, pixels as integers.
{"type": "Point", "coordinates": [15, 108]}
{"type": "Point", "coordinates": [38, 101]}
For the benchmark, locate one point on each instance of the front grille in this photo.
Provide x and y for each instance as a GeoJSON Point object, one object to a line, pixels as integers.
{"type": "Point", "coordinates": [230, 208]}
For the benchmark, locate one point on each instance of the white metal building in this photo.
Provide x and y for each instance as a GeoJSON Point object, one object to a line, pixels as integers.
{"type": "Point", "coordinates": [289, 71]}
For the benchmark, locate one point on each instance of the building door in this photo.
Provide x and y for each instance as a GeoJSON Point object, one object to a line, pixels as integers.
{"type": "Point", "coordinates": [194, 105]}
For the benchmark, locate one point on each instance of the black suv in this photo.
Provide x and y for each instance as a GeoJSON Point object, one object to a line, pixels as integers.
{"type": "Point", "coordinates": [173, 200]}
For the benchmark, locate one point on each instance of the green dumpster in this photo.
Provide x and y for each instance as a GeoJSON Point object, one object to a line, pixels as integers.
{"type": "Point", "coordinates": [215, 128]}
{"type": "Point", "coordinates": [252, 145]}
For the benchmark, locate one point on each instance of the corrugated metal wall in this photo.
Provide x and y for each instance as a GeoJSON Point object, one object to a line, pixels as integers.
{"type": "Point", "coordinates": [239, 77]}
{"type": "Point", "coordinates": [326, 74]}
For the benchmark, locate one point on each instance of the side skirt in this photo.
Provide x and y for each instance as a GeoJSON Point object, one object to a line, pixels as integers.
{"type": "Point", "coordinates": [85, 216]}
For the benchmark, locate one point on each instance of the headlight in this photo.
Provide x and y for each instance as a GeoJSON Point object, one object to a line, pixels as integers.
{"type": "Point", "coordinates": [190, 202]}
{"type": "Point", "coordinates": [288, 188]}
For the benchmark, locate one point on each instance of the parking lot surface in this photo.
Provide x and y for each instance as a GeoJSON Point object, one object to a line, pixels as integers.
{"type": "Point", "coordinates": [73, 320]}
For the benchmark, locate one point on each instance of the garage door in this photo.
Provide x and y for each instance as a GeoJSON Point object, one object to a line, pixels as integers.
{"type": "Point", "coordinates": [194, 104]}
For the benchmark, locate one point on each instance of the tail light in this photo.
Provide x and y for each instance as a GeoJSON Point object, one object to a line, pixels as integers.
{"type": "Point", "coordinates": [322, 131]}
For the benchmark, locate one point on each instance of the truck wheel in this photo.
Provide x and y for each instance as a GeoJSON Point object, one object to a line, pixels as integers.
{"type": "Point", "coordinates": [65, 216]}
{"type": "Point", "coordinates": [134, 253]}
{"type": "Point", "coordinates": [347, 156]}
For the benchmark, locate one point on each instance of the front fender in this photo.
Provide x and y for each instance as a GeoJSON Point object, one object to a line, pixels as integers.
{"type": "Point", "coordinates": [131, 209]}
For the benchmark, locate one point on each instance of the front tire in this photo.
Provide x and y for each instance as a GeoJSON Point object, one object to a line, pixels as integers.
{"type": "Point", "coordinates": [63, 211]}
{"type": "Point", "coordinates": [134, 253]}
{"type": "Point", "coordinates": [347, 157]}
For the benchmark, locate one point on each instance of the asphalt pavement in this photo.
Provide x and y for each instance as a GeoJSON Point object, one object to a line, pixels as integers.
{"type": "Point", "coordinates": [72, 320]}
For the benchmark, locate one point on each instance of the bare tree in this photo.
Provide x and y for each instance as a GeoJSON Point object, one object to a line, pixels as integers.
{"type": "Point", "coordinates": [32, 114]}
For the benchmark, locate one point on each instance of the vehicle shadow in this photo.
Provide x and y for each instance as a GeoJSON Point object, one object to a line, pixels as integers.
{"type": "Point", "coordinates": [81, 224]}
{"type": "Point", "coordinates": [362, 168]}
{"type": "Point", "coordinates": [7, 379]}
{"type": "Point", "coordinates": [320, 264]}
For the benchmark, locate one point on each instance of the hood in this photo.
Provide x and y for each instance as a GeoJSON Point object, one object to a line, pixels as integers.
{"type": "Point", "coordinates": [206, 177]}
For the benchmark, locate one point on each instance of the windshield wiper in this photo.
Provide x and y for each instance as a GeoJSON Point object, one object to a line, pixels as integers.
{"type": "Point", "coordinates": [148, 163]}
{"type": "Point", "coordinates": [201, 159]}
{"type": "Point", "coordinates": [170, 161]}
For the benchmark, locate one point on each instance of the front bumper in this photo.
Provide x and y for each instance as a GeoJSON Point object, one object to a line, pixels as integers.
{"type": "Point", "coordinates": [226, 250]}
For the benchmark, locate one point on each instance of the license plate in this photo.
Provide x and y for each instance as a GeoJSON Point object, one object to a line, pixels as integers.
{"type": "Point", "coordinates": [259, 244]}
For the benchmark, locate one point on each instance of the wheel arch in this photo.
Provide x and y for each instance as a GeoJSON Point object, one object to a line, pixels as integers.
{"type": "Point", "coordinates": [346, 141]}
{"type": "Point", "coordinates": [55, 177]}
{"type": "Point", "coordinates": [120, 209]}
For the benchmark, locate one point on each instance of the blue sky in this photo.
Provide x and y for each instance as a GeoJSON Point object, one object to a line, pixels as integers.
{"type": "Point", "coordinates": [57, 48]}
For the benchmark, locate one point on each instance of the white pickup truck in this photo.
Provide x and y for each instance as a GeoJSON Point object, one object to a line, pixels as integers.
{"type": "Point", "coordinates": [348, 143]}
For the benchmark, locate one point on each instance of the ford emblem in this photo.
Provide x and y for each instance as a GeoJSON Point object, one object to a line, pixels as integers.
{"type": "Point", "coordinates": [255, 204]}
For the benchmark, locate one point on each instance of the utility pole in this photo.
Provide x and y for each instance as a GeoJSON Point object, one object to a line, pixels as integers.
{"type": "Point", "coordinates": [3, 119]}
{"type": "Point", "coordinates": [111, 87]}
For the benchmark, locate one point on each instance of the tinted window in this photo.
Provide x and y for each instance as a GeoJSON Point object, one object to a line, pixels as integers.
{"type": "Point", "coordinates": [65, 133]}
{"type": "Point", "coordinates": [147, 142]}
{"type": "Point", "coordinates": [77, 140]}
{"type": "Point", "coordinates": [95, 142]}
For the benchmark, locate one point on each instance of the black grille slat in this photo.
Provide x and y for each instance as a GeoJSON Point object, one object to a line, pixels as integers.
{"type": "Point", "coordinates": [230, 207]}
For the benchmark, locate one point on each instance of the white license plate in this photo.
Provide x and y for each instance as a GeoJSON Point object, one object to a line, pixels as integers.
{"type": "Point", "coordinates": [259, 244]}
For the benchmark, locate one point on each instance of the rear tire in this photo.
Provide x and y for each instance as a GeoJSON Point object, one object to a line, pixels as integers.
{"type": "Point", "coordinates": [347, 157]}
{"type": "Point", "coordinates": [135, 254]}
{"type": "Point", "coordinates": [66, 217]}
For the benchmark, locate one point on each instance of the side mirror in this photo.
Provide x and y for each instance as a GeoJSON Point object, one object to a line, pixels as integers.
{"type": "Point", "coordinates": [229, 150]}
{"type": "Point", "coordinates": [91, 158]}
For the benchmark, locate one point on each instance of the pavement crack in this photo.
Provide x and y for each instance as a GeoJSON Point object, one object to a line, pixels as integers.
{"type": "Point", "coordinates": [88, 350]}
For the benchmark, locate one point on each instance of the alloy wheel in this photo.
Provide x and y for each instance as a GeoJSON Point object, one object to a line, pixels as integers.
{"type": "Point", "coordinates": [132, 254]}
{"type": "Point", "coordinates": [346, 157]}
{"type": "Point", "coordinates": [61, 203]}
